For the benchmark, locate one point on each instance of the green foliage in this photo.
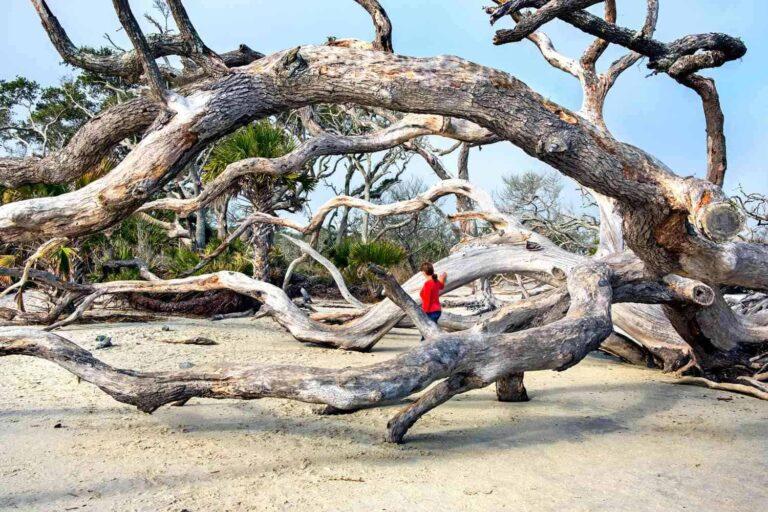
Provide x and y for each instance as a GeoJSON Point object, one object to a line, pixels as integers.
{"type": "Point", "coordinates": [63, 260]}
{"type": "Point", "coordinates": [339, 253]}
{"type": "Point", "coordinates": [385, 254]}
{"type": "Point", "coordinates": [7, 260]}
{"type": "Point", "coordinates": [256, 140]}
{"type": "Point", "coordinates": [351, 253]}
{"type": "Point", "coordinates": [10, 195]}
{"type": "Point", "coordinates": [125, 274]}
{"type": "Point", "coordinates": [234, 258]}
{"type": "Point", "coordinates": [352, 256]}
{"type": "Point", "coordinates": [182, 259]}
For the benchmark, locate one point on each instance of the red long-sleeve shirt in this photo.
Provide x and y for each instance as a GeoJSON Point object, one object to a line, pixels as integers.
{"type": "Point", "coordinates": [430, 295]}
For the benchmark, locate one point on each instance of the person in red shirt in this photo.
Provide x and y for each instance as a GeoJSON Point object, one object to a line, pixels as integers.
{"type": "Point", "coordinates": [430, 292]}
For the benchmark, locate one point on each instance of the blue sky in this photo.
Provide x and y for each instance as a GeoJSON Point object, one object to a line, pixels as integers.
{"type": "Point", "coordinates": [653, 113]}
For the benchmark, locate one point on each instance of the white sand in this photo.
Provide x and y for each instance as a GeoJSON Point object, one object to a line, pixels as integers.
{"type": "Point", "coordinates": [601, 436]}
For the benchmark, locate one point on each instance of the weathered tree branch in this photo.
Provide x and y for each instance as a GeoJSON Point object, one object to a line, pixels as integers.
{"type": "Point", "coordinates": [467, 360]}
{"type": "Point", "coordinates": [592, 158]}
{"type": "Point", "coordinates": [324, 143]}
{"type": "Point", "coordinates": [132, 28]}
{"type": "Point", "coordinates": [128, 64]}
{"type": "Point", "coordinates": [201, 54]}
{"type": "Point", "coordinates": [383, 40]}
{"type": "Point", "coordinates": [681, 57]}
{"type": "Point", "coordinates": [86, 149]}
{"type": "Point", "coordinates": [485, 358]}
{"type": "Point", "coordinates": [325, 262]}
{"type": "Point", "coordinates": [717, 161]}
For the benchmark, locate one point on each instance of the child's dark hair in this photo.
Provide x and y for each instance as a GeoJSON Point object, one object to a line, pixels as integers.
{"type": "Point", "coordinates": [428, 269]}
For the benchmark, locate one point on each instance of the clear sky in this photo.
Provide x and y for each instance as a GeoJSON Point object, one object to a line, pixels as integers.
{"type": "Point", "coordinates": [651, 112]}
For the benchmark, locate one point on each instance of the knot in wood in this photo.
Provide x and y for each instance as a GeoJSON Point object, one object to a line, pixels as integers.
{"type": "Point", "coordinates": [141, 189]}
{"type": "Point", "coordinates": [293, 63]}
{"type": "Point", "coordinates": [555, 142]}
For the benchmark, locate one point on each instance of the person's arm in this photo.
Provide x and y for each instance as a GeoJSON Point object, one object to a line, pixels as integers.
{"type": "Point", "coordinates": [442, 279]}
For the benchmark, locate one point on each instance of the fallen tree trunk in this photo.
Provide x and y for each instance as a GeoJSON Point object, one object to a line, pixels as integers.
{"type": "Point", "coordinates": [465, 360]}
{"type": "Point", "coordinates": [461, 361]}
{"type": "Point", "coordinates": [674, 225]}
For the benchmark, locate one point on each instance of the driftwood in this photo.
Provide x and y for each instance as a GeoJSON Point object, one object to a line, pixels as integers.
{"type": "Point", "coordinates": [662, 235]}
{"type": "Point", "coordinates": [460, 361]}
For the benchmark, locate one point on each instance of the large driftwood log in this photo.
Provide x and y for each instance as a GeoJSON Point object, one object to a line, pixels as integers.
{"type": "Point", "coordinates": [463, 361]}
{"type": "Point", "coordinates": [674, 225]}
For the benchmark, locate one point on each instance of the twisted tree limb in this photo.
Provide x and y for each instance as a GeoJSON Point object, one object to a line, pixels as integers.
{"type": "Point", "coordinates": [592, 158]}
{"type": "Point", "coordinates": [127, 65]}
{"type": "Point", "coordinates": [497, 220]}
{"type": "Point", "coordinates": [480, 358]}
{"type": "Point", "coordinates": [674, 224]}
{"type": "Point", "coordinates": [465, 360]}
{"type": "Point", "coordinates": [324, 143]}
{"type": "Point", "coordinates": [337, 277]}
{"type": "Point", "coordinates": [41, 252]}
{"type": "Point", "coordinates": [681, 57]}
{"type": "Point", "coordinates": [86, 148]}
{"type": "Point", "coordinates": [383, 40]}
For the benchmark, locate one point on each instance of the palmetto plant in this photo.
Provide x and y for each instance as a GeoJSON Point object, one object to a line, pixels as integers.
{"type": "Point", "coordinates": [352, 258]}
{"type": "Point", "coordinates": [385, 254]}
{"type": "Point", "coordinates": [266, 194]}
{"type": "Point", "coordinates": [10, 195]}
{"type": "Point", "coordinates": [257, 140]}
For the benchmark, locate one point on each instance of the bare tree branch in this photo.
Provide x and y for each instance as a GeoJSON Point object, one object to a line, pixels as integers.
{"type": "Point", "coordinates": [681, 57]}
{"type": "Point", "coordinates": [132, 28]}
{"type": "Point", "coordinates": [383, 41]}
{"type": "Point", "coordinates": [337, 277]}
{"type": "Point", "coordinates": [201, 54]}
{"type": "Point", "coordinates": [127, 64]}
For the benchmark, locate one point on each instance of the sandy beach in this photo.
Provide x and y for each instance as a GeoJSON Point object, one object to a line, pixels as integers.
{"type": "Point", "coordinates": [601, 436]}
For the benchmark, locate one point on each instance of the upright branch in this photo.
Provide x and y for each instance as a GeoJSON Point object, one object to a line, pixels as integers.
{"type": "Point", "coordinates": [680, 59]}
{"type": "Point", "coordinates": [201, 54]}
{"type": "Point", "coordinates": [717, 162]}
{"type": "Point", "coordinates": [151, 69]}
{"type": "Point", "coordinates": [128, 65]}
{"type": "Point", "coordinates": [383, 40]}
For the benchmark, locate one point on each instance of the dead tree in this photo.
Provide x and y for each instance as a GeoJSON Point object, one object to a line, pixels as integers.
{"type": "Point", "coordinates": [679, 232]}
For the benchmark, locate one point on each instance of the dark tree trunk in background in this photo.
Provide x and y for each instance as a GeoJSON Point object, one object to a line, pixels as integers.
{"type": "Point", "coordinates": [260, 194]}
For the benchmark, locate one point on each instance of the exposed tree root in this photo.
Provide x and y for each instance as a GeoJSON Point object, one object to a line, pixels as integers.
{"type": "Point", "coordinates": [211, 303]}
{"type": "Point", "coordinates": [748, 387]}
